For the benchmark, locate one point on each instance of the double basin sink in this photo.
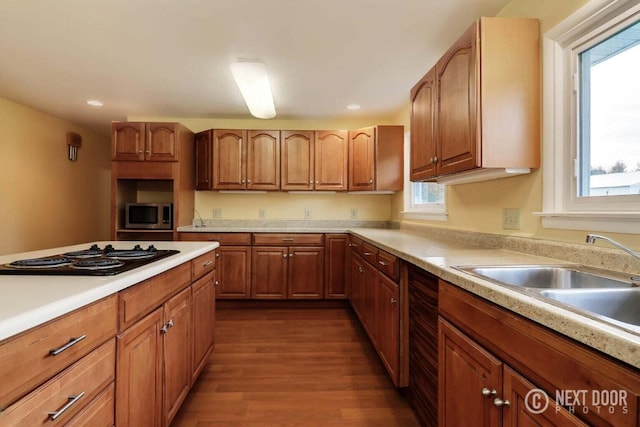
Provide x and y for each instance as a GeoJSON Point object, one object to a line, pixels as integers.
{"type": "Point", "coordinates": [600, 294]}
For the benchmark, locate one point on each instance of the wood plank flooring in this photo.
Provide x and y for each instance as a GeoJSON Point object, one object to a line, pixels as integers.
{"type": "Point", "coordinates": [293, 367]}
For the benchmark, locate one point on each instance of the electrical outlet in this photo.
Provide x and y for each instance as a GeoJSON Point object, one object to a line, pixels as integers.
{"type": "Point", "coordinates": [354, 213]}
{"type": "Point", "coordinates": [511, 218]}
{"type": "Point", "coordinates": [262, 213]}
{"type": "Point", "coordinates": [307, 213]}
{"type": "Point", "coordinates": [217, 213]}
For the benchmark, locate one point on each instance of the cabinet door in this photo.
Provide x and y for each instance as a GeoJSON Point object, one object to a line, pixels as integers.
{"type": "Point", "coordinates": [139, 373]}
{"type": "Point", "coordinates": [204, 160]}
{"type": "Point", "coordinates": [297, 160]}
{"type": "Point", "coordinates": [229, 164]}
{"type": "Point", "coordinates": [305, 278]}
{"type": "Point", "coordinates": [388, 324]}
{"type": "Point", "coordinates": [263, 160]}
{"type": "Point", "coordinates": [269, 272]}
{"type": "Point", "coordinates": [331, 160]}
{"type": "Point", "coordinates": [369, 301]}
{"type": "Point", "coordinates": [362, 159]}
{"type": "Point", "coordinates": [177, 352]}
{"type": "Point", "coordinates": [335, 266]}
{"type": "Point", "coordinates": [162, 142]}
{"type": "Point", "coordinates": [423, 147]}
{"type": "Point", "coordinates": [456, 114]}
{"type": "Point", "coordinates": [204, 306]}
{"type": "Point", "coordinates": [128, 141]}
{"type": "Point", "coordinates": [519, 412]}
{"type": "Point", "coordinates": [464, 370]}
{"type": "Point", "coordinates": [233, 268]}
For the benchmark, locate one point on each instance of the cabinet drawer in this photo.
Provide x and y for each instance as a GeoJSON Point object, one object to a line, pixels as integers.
{"type": "Point", "coordinates": [139, 300]}
{"type": "Point", "coordinates": [222, 238]}
{"type": "Point", "coordinates": [389, 265]}
{"type": "Point", "coordinates": [66, 393]}
{"type": "Point", "coordinates": [98, 413]}
{"type": "Point", "coordinates": [203, 264]}
{"type": "Point", "coordinates": [355, 244]}
{"type": "Point", "coordinates": [287, 239]}
{"type": "Point", "coordinates": [26, 360]}
{"type": "Point", "coordinates": [370, 253]}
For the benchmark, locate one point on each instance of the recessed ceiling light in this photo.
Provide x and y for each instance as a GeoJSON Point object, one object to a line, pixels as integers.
{"type": "Point", "coordinates": [353, 107]}
{"type": "Point", "coordinates": [95, 103]}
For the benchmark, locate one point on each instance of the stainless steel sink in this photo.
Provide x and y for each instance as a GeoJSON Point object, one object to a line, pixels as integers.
{"type": "Point", "coordinates": [549, 276]}
{"type": "Point", "coordinates": [620, 305]}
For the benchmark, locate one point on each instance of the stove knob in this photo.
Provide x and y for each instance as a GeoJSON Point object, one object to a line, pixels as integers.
{"type": "Point", "coordinates": [94, 247]}
{"type": "Point", "coordinates": [151, 248]}
{"type": "Point", "coordinates": [108, 248]}
{"type": "Point", "coordinates": [137, 248]}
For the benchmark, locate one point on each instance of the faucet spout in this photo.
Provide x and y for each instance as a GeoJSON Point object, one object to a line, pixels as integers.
{"type": "Point", "coordinates": [591, 239]}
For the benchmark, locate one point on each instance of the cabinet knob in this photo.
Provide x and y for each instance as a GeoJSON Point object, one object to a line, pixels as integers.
{"type": "Point", "coordinates": [248, 181]}
{"type": "Point", "coordinates": [360, 269]}
{"type": "Point", "coordinates": [487, 393]}
{"type": "Point", "coordinates": [216, 283]}
{"type": "Point", "coordinates": [370, 181]}
{"type": "Point", "coordinates": [284, 255]}
{"type": "Point", "coordinates": [501, 403]}
{"type": "Point", "coordinates": [217, 255]}
{"type": "Point", "coordinates": [317, 182]}
{"type": "Point", "coordinates": [393, 300]}
{"type": "Point", "coordinates": [434, 160]}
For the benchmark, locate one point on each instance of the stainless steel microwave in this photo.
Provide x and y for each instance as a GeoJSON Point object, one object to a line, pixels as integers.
{"type": "Point", "coordinates": [155, 216]}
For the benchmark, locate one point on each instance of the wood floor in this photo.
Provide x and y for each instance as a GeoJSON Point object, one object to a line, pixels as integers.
{"type": "Point", "coordinates": [293, 367]}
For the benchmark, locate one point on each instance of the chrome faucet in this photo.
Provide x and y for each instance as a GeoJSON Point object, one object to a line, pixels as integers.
{"type": "Point", "coordinates": [591, 238]}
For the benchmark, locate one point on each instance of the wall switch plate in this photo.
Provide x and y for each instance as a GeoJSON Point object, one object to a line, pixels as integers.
{"type": "Point", "coordinates": [511, 218]}
{"type": "Point", "coordinates": [217, 213]}
{"type": "Point", "coordinates": [262, 213]}
{"type": "Point", "coordinates": [354, 213]}
{"type": "Point", "coordinates": [307, 213]}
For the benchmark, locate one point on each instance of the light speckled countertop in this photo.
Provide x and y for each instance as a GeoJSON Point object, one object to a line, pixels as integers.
{"type": "Point", "coordinates": [437, 252]}
{"type": "Point", "coordinates": [29, 301]}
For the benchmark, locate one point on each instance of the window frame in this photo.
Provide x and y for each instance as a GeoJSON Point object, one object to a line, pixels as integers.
{"type": "Point", "coordinates": [426, 211]}
{"type": "Point", "coordinates": [561, 207]}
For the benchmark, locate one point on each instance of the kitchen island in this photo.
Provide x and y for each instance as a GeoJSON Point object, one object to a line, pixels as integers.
{"type": "Point", "coordinates": [75, 347]}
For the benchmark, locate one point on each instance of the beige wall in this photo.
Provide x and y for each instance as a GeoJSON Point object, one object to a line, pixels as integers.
{"type": "Point", "coordinates": [45, 199]}
{"type": "Point", "coordinates": [283, 205]}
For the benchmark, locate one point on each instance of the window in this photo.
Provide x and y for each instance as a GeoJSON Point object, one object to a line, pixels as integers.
{"type": "Point", "coordinates": [422, 200]}
{"type": "Point", "coordinates": [591, 153]}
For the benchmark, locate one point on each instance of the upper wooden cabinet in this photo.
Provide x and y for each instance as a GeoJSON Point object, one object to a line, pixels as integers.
{"type": "Point", "coordinates": [204, 160]}
{"type": "Point", "coordinates": [376, 158]}
{"type": "Point", "coordinates": [246, 160]}
{"type": "Point", "coordinates": [423, 147]}
{"type": "Point", "coordinates": [479, 107]}
{"type": "Point", "coordinates": [136, 141]}
{"type": "Point", "coordinates": [314, 160]}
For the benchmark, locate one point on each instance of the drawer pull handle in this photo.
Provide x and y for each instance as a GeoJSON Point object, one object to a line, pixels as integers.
{"type": "Point", "coordinates": [383, 263]}
{"type": "Point", "coordinates": [287, 239]}
{"type": "Point", "coordinates": [72, 400]}
{"type": "Point", "coordinates": [367, 254]}
{"type": "Point", "coordinates": [207, 264]}
{"type": "Point", "coordinates": [352, 245]}
{"type": "Point", "coordinates": [71, 343]}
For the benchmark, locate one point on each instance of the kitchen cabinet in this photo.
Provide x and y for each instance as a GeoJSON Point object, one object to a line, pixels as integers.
{"type": "Point", "coordinates": [493, 394]}
{"type": "Point", "coordinates": [152, 162]}
{"type": "Point", "coordinates": [203, 299]}
{"type": "Point", "coordinates": [298, 160]}
{"type": "Point", "coordinates": [281, 271]}
{"type": "Point", "coordinates": [204, 160]}
{"type": "Point", "coordinates": [376, 158]}
{"type": "Point", "coordinates": [483, 112]}
{"type": "Point", "coordinates": [158, 339]}
{"type": "Point", "coordinates": [423, 145]}
{"type": "Point", "coordinates": [233, 264]}
{"type": "Point", "coordinates": [155, 142]}
{"type": "Point", "coordinates": [423, 345]}
{"type": "Point", "coordinates": [331, 160]}
{"type": "Point", "coordinates": [246, 160]}
{"type": "Point", "coordinates": [376, 298]}
{"type": "Point", "coordinates": [483, 347]}
{"type": "Point", "coordinates": [335, 266]}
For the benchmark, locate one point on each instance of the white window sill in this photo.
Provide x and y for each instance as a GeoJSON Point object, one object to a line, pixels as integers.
{"type": "Point", "coordinates": [616, 222]}
{"type": "Point", "coordinates": [426, 216]}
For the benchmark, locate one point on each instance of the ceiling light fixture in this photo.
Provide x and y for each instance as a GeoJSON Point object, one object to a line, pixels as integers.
{"type": "Point", "coordinates": [253, 82]}
{"type": "Point", "coordinates": [95, 103]}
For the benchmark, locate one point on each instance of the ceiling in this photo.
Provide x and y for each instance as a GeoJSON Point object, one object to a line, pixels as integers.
{"type": "Point", "coordinates": [170, 58]}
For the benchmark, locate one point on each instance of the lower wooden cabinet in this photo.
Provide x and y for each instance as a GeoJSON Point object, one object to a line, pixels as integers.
{"type": "Point", "coordinates": [388, 324]}
{"type": "Point", "coordinates": [234, 272]}
{"type": "Point", "coordinates": [335, 266]}
{"type": "Point", "coordinates": [159, 356]}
